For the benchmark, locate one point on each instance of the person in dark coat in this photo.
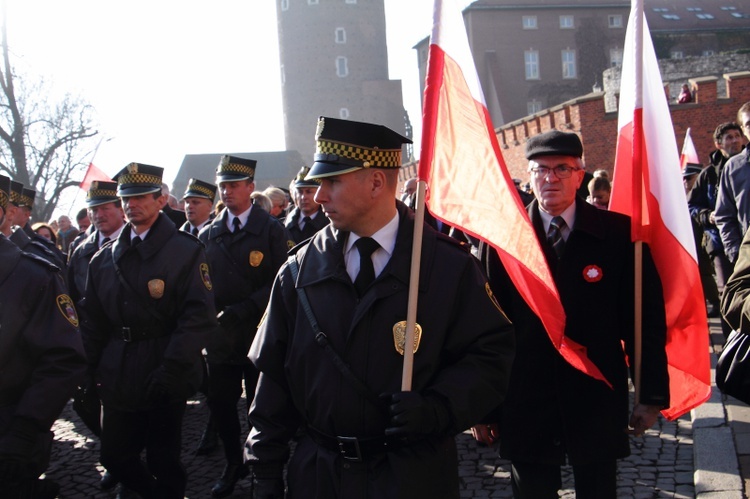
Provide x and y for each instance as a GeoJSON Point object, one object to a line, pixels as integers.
{"type": "Point", "coordinates": [363, 435]}
{"type": "Point", "coordinates": [148, 312]}
{"type": "Point", "coordinates": [245, 246]}
{"type": "Point", "coordinates": [199, 201]}
{"type": "Point", "coordinates": [108, 220]}
{"type": "Point", "coordinates": [24, 205]}
{"type": "Point", "coordinates": [307, 217]}
{"type": "Point", "coordinates": [554, 413]}
{"type": "Point", "coordinates": [42, 362]}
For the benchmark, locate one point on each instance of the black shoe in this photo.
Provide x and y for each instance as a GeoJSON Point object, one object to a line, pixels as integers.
{"type": "Point", "coordinates": [208, 442]}
{"type": "Point", "coordinates": [225, 486]}
{"type": "Point", "coordinates": [108, 481]}
{"type": "Point", "coordinates": [46, 489]}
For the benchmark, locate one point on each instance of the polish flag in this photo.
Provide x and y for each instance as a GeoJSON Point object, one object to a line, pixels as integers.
{"type": "Point", "coordinates": [469, 184]}
{"type": "Point", "coordinates": [647, 185]}
{"type": "Point", "coordinates": [93, 173]}
{"type": "Point", "coordinates": [688, 154]}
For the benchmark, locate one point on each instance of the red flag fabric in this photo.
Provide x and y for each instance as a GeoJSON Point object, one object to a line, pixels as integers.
{"type": "Point", "coordinates": [647, 185]}
{"type": "Point", "coordinates": [688, 154]}
{"type": "Point", "coordinates": [468, 183]}
{"type": "Point", "coordinates": [93, 173]}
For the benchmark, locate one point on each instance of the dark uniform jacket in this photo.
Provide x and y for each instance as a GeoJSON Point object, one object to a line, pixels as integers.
{"type": "Point", "coordinates": [78, 265]}
{"type": "Point", "coordinates": [169, 273]}
{"type": "Point", "coordinates": [20, 238]}
{"type": "Point", "coordinates": [41, 355]}
{"type": "Point", "coordinates": [552, 409]}
{"type": "Point", "coordinates": [702, 202]}
{"type": "Point", "coordinates": [311, 227]}
{"type": "Point", "coordinates": [463, 359]}
{"type": "Point", "coordinates": [58, 258]}
{"type": "Point", "coordinates": [243, 266]}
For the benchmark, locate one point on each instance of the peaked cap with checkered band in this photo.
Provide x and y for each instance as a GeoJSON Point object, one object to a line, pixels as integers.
{"type": "Point", "coordinates": [137, 179]}
{"type": "Point", "coordinates": [101, 192]}
{"type": "Point", "coordinates": [16, 192]}
{"type": "Point", "coordinates": [343, 146]}
{"type": "Point", "coordinates": [200, 189]}
{"type": "Point", "coordinates": [234, 169]}
{"type": "Point", "coordinates": [4, 191]}
{"type": "Point", "coordinates": [27, 198]}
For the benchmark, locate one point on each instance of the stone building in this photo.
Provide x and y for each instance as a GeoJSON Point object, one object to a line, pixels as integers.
{"type": "Point", "coordinates": [334, 62]}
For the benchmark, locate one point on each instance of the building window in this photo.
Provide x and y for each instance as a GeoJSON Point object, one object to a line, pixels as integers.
{"type": "Point", "coordinates": [351, 1]}
{"type": "Point", "coordinates": [344, 112]}
{"type": "Point", "coordinates": [738, 15]}
{"type": "Point", "coordinates": [728, 8]}
{"type": "Point", "coordinates": [660, 9]}
{"type": "Point", "coordinates": [569, 64]}
{"type": "Point", "coordinates": [671, 17]}
{"type": "Point", "coordinates": [615, 21]}
{"type": "Point", "coordinates": [694, 9]}
{"type": "Point", "coordinates": [566, 22]}
{"type": "Point", "coordinates": [533, 106]}
{"type": "Point", "coordinates": [284, 4]}
{"type": "Point", "coordinates": [615, 57]}
{"type": "Point", "coordinates": [704, 16]}
{"type": "Point", "coordinates": [342, 68]}
{"type": "Point", "coordinates": [340, 35]}
{"type": "Point", "coordinates": [531, 59]}
{"type": "Point", "coordinates": [676, 54]}
{"type": "Point", "coordinates": [529, 22]}
{"type": "Point", "coordinates": [312, 2]}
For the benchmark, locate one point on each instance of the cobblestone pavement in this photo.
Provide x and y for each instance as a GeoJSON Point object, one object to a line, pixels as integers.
{"type": "Point", "coordinates": [661, 464]}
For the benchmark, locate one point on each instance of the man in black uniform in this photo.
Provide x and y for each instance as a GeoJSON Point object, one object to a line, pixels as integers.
{"type": "Point", "coordinates": [341, 381]}
{"type": "Point", "coordinates": [148, 311]}
{"type": "Point", "coordinates": [23, 215]}
{"type": "Point", "coordinates": [42, 362]}
{"type": "Point", "coordinates": [245, 248]}
{"type": "Point", "coordinates": [108, 219]}
{"type": "Point", "coordinates": [307, 217]}
{"type": "Point", "coordinates": [17, 235]}
{"type": "Point", "coordinates": [199, 201]}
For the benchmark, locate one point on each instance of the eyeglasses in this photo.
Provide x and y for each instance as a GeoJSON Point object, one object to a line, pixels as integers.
{"type": "Point", "coordinates": [561, 171]}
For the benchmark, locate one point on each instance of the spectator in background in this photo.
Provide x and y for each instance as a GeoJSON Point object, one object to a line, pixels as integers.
{"type": "Point", "coordinates": [261, 201]}
{"type": "Point", "coordinates": [601, 173]}
{"type": "Point", "coordinates": [685, 95]}
{"type": "Point", "coordinates": [53, 223]}
{"type": "Point", "coordinates": [66, 234]}
{"type": "Point", "coordinates": [732, 212]}
{"type": "Point", "coordinates": [702, 201]}
{"type": "Point", "coordinates": [45, 231]}
{"type": "Point", "coordinates": [599, 191]}
{"type": "Point", "coordinates": [279, 202]}
{"type": "Point", "coordinates": [82, 220]}
{"type": "Point", "coordinates": [408, 191]}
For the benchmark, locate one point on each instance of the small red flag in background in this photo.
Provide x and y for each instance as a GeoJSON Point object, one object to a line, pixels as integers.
{"type": "Point", "coordinates": [688, 154]}
{"type": "Point", "coordinates": [469, 184]}
{"type": "Point", "coordinates": [647, 185]}
{"type": "Point", "coordinates": [93, 173]}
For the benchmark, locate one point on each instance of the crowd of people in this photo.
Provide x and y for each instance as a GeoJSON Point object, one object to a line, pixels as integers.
{"type": "Point", "coordinates": [299, 299]}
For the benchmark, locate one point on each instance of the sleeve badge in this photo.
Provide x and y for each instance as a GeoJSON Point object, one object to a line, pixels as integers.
{"type": "Point", "coordinates": [65, 304]}
{"type": "Point", "coordinates": [205, 277]}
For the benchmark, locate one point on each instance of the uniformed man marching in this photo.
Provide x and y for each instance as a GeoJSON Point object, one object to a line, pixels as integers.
{"type": "Point", "coordinates": [333, 365]}
{"type": "Point", "coordinates": [42, 362]}
{"type": "Point", "coordinates": [23, 215]}
{"type": "Point", "coordinates": [307, 217]}
{"type": "Point", "coordinates": [245, 247]}
{"type": "Point", "coordinates": [199, 201]}
{"type": "Point", "coordinates": [148, 311]}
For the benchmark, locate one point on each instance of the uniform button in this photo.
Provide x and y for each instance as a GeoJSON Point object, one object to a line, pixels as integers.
{"type": "Point", "coordinates": [347, 466]}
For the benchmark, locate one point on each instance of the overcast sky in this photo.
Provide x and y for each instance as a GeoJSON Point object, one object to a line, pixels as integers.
{"type": "Point", "coordinates": [170, 78]}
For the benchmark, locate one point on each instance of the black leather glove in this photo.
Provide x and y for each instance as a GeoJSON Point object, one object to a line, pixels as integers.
{"type": "Point", "coordinates": [87, 405]}
{"type": "Point", "coordinates": [414, 414]}
{"type": "Point", "coordinates": [19, 443]}
{"type": "Point", "coordinates": [267, 480]}
{"type": "Point", "coordinates": [163, 385]}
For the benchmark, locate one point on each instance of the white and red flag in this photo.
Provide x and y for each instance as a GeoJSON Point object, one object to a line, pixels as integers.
{"type": "Point", "coordinates": [469, 184]}
{"type": "Point", "coordinates": [647, 186]}
{"type": "Point", "coordinates": [688, 154]}
{"type": "Point", "coordinates": [93, 173]}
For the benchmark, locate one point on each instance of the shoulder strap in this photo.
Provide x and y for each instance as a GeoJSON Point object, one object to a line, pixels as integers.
{"type": "Point", "coordinates": [322, 341]}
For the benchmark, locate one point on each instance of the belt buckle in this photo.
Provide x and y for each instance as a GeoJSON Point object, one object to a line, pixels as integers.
{"type": "Point", "coordinates": [127, 336]}
{"type": "Point", "coordinates": [347, 444]}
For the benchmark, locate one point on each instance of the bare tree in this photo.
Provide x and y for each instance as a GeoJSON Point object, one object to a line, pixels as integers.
{"type": "Point", "coordinates": [44, 144]}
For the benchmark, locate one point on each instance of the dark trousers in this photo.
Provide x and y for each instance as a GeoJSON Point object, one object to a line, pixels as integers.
{"type": "Point", "coordinates": [224, 391]}
{"type": "Point", "coordinates": [542, 481]}
{"type": "Point", "coordinates": [159, 431]}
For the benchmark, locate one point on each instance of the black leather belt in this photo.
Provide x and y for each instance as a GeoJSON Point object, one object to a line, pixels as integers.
{"type": "Point", "coordinates": [130, 334]}
{"type": "Point", "coordinates": [357, 448]}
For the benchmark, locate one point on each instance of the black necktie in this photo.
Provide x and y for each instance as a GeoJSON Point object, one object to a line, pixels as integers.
{"type": "Point", "coordinates": [366, 247]}
{"type": "Point", "coordinates": [554, 235]}
{"type": "Point", "coordinates": [194, 231]}
{"type": "Point", "coordinates": [236, 224]}
{"type": "Point", "coordinates": [104, 241]}
{"type": "Point", "coordinates": [135, 241]}
{"type": "Point", "coordinates": [307, 228]}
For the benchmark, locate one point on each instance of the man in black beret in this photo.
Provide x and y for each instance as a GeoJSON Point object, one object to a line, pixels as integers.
{"type": "Point", "coordinates": [554, 413]}
{"type": "Point", "coordinates": [307, 217]}
{"type": "Point", "coordinates": [340, 378]}
{"type": "Point", "coordinates": [149, 312]}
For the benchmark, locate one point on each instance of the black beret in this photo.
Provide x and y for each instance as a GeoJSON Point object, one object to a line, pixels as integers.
{"type": "Point", "coordinates": [554, 143]}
